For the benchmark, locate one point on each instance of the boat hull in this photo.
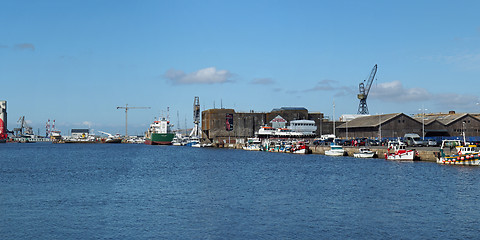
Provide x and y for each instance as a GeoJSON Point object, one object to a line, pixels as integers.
{"type": "Point", "coordinates": [113, 140]}
{"type": "Point", "coordinates": [364, 155]}
{"type": "Point", "coordinates": [408, 156]}
{"type": "Point", "coordinates": [334, 153]}
{"type": "Point", "coordinates": [468, 160]}
{"type": "Point", "coordinates": [300, 151]}
{"type": "Point", "coordinates": [160, 139]}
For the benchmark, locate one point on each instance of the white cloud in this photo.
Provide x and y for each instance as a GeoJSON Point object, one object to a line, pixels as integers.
{"type": "Point", "coordinates": [87, 123]}
{"type": "Point", "coordinates": [203, 76]}
{"type": "Point", "coordinates": [395, 92]}
{"type": "Point", "coordinates": [457, 101]}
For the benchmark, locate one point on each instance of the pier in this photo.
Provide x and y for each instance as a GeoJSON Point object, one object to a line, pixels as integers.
{"type": "Point", "coordinates": [426, 154]}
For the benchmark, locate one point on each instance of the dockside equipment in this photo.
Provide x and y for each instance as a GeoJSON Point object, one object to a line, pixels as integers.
{"type": "Point", "coordinates": [364, 90]}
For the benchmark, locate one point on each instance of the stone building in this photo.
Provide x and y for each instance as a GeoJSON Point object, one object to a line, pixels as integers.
{"type": "Point", "coordinates": [243, 125]}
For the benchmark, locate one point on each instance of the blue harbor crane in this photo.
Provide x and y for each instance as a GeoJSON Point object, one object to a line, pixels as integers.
{"type": "Point", "coordinates": [364, 90]}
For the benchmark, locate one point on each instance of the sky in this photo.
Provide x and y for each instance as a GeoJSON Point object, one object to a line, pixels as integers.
{"type": "Point", "coordinates": [77, 61]}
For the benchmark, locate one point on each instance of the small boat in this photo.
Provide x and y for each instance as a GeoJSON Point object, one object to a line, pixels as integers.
{"type": "Point", "coordinates": [253, 144]}
{"type": "Point", "coordinates": [111, 138]}
{"type": "Point", "coordinates": [398, 151]}
{"type": "Point", "coordinates": [300, 148]}
{"type": "Point", "coordinates": [335, 150]}
{"type": "Point", "coordinates": [364, 153]}
{"type": "Point", "coordinates": [462, 155]}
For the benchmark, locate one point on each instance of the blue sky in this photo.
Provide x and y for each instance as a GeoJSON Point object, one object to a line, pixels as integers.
{"type": "Point", "coordinates": [76, 61]}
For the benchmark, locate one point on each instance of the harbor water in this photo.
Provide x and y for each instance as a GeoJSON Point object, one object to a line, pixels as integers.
{"type": "Point", "coordinates": [125, 191]}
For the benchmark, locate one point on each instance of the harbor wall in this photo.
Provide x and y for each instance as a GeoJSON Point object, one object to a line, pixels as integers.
{"type": "Point", "coordinates": [424, 154]}
{"type": "Point", "coordinates": [427, 154]}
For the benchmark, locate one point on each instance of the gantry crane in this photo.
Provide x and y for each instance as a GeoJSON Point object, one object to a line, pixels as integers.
{"type": "Point", "coordinates": [364, 90]}
{"type": "Point", "coordinates": [196, 118]}
{"type": "Point", "coordinates": [126, 115]}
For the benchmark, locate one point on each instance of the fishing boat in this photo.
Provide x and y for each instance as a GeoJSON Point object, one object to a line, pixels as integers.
{"type": "Point", "coordinates": [364, 153]}
{"type": "Point", "coordinates": [300, 148]}
{"type": "Point", "coordinates": [397, 150]}
{"type": "Point", "coordinates": [335, 150]}
{"type": "Point", "coordinates": [159, 133]}
{"type": "Point", "coordinates": [458, 154]}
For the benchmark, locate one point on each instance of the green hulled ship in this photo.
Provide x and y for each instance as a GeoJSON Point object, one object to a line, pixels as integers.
{"type": "Point", "coordinates": [159, 133]}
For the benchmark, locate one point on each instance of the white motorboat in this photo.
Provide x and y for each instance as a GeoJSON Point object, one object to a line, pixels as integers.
{"type": "Point", "coordinates": [253, 144]}
{"type": "Point", "coordinates": [364, 153]}
{"type": "Point", "coordinates": [335, 150]}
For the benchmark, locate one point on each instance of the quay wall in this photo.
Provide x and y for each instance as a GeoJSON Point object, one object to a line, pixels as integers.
{"type": "Point", "coordinates": [426, 154]}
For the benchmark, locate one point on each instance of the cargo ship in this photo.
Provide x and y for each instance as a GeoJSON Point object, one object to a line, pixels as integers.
{"type": "Point", "coordinates": [159, 133]}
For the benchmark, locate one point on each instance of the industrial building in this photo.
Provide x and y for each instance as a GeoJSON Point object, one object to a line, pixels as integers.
{"type": "Point", "coordinates": [379, 126]}
{"type": "Point", "coordinates": [227, 125]}
{"type": "Point", "coordinates": [398, 124]}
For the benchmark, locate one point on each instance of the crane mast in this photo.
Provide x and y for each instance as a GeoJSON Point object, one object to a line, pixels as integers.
{"type": "Point", "coordinates": [126, 115]}
{"type": "Point", "coordinates": [364, 90]}
{"type": "Point", "coordinates": [196, 118]}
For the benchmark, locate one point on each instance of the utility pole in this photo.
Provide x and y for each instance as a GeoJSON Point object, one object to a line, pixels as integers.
{"type": "Point", "coordinates": [126, 115]}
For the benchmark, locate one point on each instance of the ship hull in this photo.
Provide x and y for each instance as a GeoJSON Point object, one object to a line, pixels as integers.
{"type": "Point", "coordinates": [160, 139]}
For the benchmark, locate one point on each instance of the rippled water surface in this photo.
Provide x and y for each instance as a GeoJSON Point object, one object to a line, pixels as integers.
{"type": "Point", "coordinates": [75, 191]}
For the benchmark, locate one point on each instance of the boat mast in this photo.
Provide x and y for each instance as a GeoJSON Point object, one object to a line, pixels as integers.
{"type": "Point", "coordinates": [334, 121]}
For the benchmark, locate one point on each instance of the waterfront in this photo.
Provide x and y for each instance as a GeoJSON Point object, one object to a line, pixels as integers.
{"type": "Point", "coordinates": [130, 191]}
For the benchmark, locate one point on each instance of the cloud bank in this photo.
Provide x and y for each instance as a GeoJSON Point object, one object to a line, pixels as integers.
{"type": "Point", "coordinates": [263, 81]}
{"type": "Point", "coordinates": [25, 46]}
{"type": "Point", "coordinates": [332, 86]}
{"type": "Point", "coordinates": [397, 93]}
{"type": "Point", "coordinates": [203, 76]}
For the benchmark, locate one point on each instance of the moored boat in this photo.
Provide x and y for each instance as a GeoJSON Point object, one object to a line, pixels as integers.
{"type": "Point", "coordinates": [117, 138]}
{"type": "Point", "coordinates": [253, 144]}
{"type": "Point", "coordinates": [300, 148]}
{"type": "Point", "coordinates": [364, 153]}
{"type": "Point", "coordinates": [398, 151]}
{"type": "Point", "coordinates": [462, 155]}
{"type": "Point", "coordinates": [159, 133]}
{"type": "Point", "coordinates": [335, 150]}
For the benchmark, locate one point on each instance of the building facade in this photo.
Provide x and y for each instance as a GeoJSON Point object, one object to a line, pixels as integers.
{"type": "Point", "coordinates": [221, 125]}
